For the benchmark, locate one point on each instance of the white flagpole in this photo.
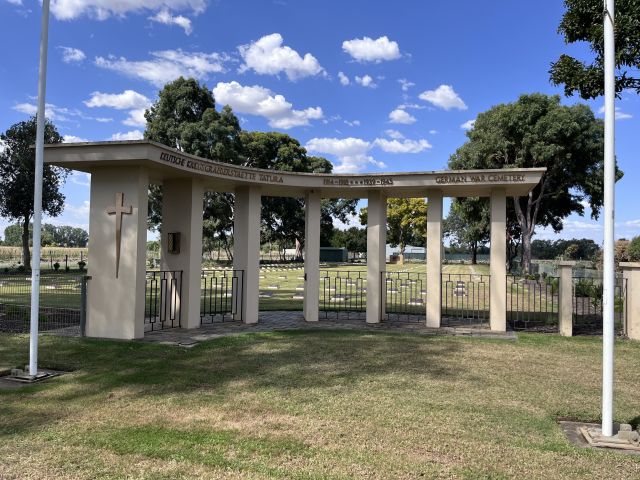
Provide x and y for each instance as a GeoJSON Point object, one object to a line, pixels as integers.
{"type": "Point", "coordinates": [609, 219]}
{"type": "Point", "coordinates": [37, 195]}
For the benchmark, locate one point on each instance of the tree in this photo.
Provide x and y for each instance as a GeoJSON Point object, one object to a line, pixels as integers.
{"type": "Point", "coordinates": [583, 22]}
{"type": "Point", "coordinates": [536, 131]}
{"type": "Point", "coordinates": [353, 239]}
{"type": "Point", "coordinates": [17, 170]}
{"type": "Point", "coordinates": [406, 221]}
{"type": "Point", "coordinates": [469, 224]}
{"type": "Point", "coordinates": [633, 250]}
{"type": "Point", "coordinates": [185, 117]}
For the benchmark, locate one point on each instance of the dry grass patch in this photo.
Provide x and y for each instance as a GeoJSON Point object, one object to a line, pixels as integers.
{"type": "Point", "coordinates": [315, 404]}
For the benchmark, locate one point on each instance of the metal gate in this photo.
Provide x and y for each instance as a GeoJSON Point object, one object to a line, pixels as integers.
{"type": "Point", "coordinates": [221, 293]}
{"type": "Point", "coordinates": [405, 296]}
{"type": "Point", "coordinates": [343, 294]}
{"type": "Point", "coordinates": [162, 293]}
{"type": "Point", "coordinates": [465, 300]}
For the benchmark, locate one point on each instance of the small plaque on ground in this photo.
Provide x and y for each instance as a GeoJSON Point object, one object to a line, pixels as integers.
{"type": "Point", "coordinates": [266, 294]}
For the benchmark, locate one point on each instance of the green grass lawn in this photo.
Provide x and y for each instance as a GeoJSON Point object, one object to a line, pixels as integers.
{"type": "Point", "coordinates": [313, 405]}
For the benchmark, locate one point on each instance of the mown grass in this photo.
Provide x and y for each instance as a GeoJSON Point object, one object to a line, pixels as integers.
{"type": "Point", "coordinates": [321, 404]}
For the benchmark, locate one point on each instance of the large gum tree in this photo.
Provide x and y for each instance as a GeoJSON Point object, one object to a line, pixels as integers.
{"type": "Point", "coordinates": [537, 131]}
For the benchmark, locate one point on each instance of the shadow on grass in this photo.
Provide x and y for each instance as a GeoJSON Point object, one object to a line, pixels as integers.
{"type": "Point", "coordinates": [284, 361]}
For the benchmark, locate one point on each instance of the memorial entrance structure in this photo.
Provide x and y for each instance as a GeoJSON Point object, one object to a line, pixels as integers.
{"type": "Point", "coordinates": [121, 173]}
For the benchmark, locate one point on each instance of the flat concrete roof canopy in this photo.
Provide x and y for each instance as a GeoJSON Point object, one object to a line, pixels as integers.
{"type": "Point", "coordinates": [165, 163]}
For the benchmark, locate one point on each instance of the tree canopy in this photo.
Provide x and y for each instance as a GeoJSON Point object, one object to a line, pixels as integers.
{"type": "Point", "coordinates": [185, 117]}
{"type": "Point", "coordinates": [468, 224]}
{"type": "Point", "coordinates": [583, 22]}
{"type": "Point", "coordinates": [17, 170]}
{"type": "Point", "coordinates": [406, 221]}
{"type": "Point", "coordinates": [52, 236]}
{"type": "Point", "coordinates": [537, 131]}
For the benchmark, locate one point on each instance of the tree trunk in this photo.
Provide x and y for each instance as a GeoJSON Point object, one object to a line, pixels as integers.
{"type": "Point", "coordinates": [526, 252]}
{"type": "Point", "coordinates": [26, 254]}
{"type": "Point", "coordinates": [474, 253]}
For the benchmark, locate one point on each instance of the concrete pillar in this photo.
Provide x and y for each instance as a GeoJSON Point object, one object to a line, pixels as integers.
{"type": "Point", "coordinates": [116, 304]}
{"type": "Point", "coordinates": [182, 201]}
{"type": "Point", "coordinates": [498, 261]}
{"type": "Point", "coordinates": [246, 249]}
{"type": "Point", "coordinates": [631, 272]}
{"type": "Point", "coordinates": [434, 258]}
{"type": "Point", "coordinates": [376, 254]}
{"type": "Point", "coordinates": [565, 298]}
{"type": "Point", "coordinates": [312, 257]}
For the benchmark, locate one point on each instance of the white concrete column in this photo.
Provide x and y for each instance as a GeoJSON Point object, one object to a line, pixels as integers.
{"type": "Point", "coordinates": [376, 254]}
{"type": "Point", "coordinates": [434, 258]}
{"type": "Point", "coordinates": [498, 261]}
{"type": "Point", "coordinates": [115, 307]}
{"type": "Point", "coordinates": [182, 205]}
{"type": "Point", "coordinates": [312, 256]}
{"type": "Point", "coordinates": [631, 272]}
{"type": "Point", "coordinates": [565, 298]}
{"type": "Point", "coordinates": [246, 249]}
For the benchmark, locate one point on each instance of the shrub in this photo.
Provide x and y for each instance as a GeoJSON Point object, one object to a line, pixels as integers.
{"type": "Point", "coordinates": [583, 288]}
{"type": "Point", "coordinates": [81, 265]}
{"type": "Point", "coordinates": [633, 250]}
{"type": "Point", "coordinates": [56, 266]}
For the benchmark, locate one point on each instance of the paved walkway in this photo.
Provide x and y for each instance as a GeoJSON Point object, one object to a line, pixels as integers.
{"type": "Point", "coordinates": [280, 321]}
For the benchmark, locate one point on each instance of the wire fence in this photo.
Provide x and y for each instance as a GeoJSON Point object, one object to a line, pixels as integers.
{"type": "Point", "coordinates": [62, 303]}
{"type": "Point", "coordinates": [533, 303]}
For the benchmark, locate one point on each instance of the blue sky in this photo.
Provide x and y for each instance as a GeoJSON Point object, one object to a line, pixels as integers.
{"type": "Point", "coordinates": [372, 85]}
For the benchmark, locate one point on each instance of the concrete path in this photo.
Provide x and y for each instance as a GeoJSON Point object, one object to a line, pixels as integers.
{"type": "Point", "coordinates": [280, 321]}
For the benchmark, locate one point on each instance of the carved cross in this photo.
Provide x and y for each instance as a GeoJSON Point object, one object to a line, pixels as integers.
{"type": "Point", "coordinates": [118, 211]}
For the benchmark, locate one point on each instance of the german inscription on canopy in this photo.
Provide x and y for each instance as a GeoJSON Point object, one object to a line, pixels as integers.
{"type": "Point", "coordinates": [451, 179]}
{"type": "Point", "coordinates": [215, 169]}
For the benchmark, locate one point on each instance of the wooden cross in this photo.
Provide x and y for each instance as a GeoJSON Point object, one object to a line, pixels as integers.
{"type": "Point", "coordinates": [118, 211]}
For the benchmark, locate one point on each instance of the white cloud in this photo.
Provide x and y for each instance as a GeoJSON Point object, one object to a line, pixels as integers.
{"type": "Point", "coordinates": [166, 66]}
{"type": "Point", "coordinates": [354, 123]}
{"type": "Point", "coordinates": [132, 135]}
{"type": "Point", "coordinates": [129, 99]}
{"type": "Point", "coordinates": [165, 17]}
{"type": "Point", "coordinates": [395, 134]}
{"type": "Point", "coordinates": [344, 80]}
{"type": "Point", "coordinates": [15, 2]}
{"type": "Point", "coordinates": [405, 84]}
{"type": "Point", "coordinates": [72, 55]}
{"type": "Point", "coordinates": [73, 139]}
{"type": "Point", "coordinates": [468, 125]}
{"type": "Point", "coordinates": [352, 153]}
{"type": "Point", "coordinates": [433, 132]}
{"type": "Point", "coordinates": [401, 117]}
{"type": "Point", "coordinates": [368, 50]}
{"type": "Point", "coordinates": [620, 115]}
{"type": "Point", "coordinates": [444, 97]}
{"type": "Point", "coordinates": [268, 56]}
{"type": "Point", "coordinates": [366, 81]}
{"type": "Point", "coordinates": [80, 178]}
{"type": "Point", "coordinates": [351, 221]}
{"type": "Point", "coordinates": [411, 106]}
{"type": "Point", "coordinates": [257, 100]}
{"type": "Point", "coordinates": [405, 146]}
{"type": "Point", "coordinates": [136, 118]}
{"type": "Point", "coordinates": [51, 112]}
{"type": "Point", "coordinates": [103, 9]}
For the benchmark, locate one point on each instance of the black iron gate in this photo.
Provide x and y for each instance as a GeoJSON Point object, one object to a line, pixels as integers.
{"type": "Point", "coordinates": [465, 300]}
{"type": "Point", "coordinates": [343, 294]}
{"type": "Point", "coordinates": [405, 295]}
{"type": "Point", "coordinates": [162, 293]}
{"type": "Point", "coordinates": [221, 295]}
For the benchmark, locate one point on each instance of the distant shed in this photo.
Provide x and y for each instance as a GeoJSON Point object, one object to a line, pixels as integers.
{"type": "Point", "coordinates": [334, 255]}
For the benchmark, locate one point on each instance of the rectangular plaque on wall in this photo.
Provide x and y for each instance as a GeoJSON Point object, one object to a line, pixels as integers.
{"type": "Point", "coordinates": [173, 242]}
